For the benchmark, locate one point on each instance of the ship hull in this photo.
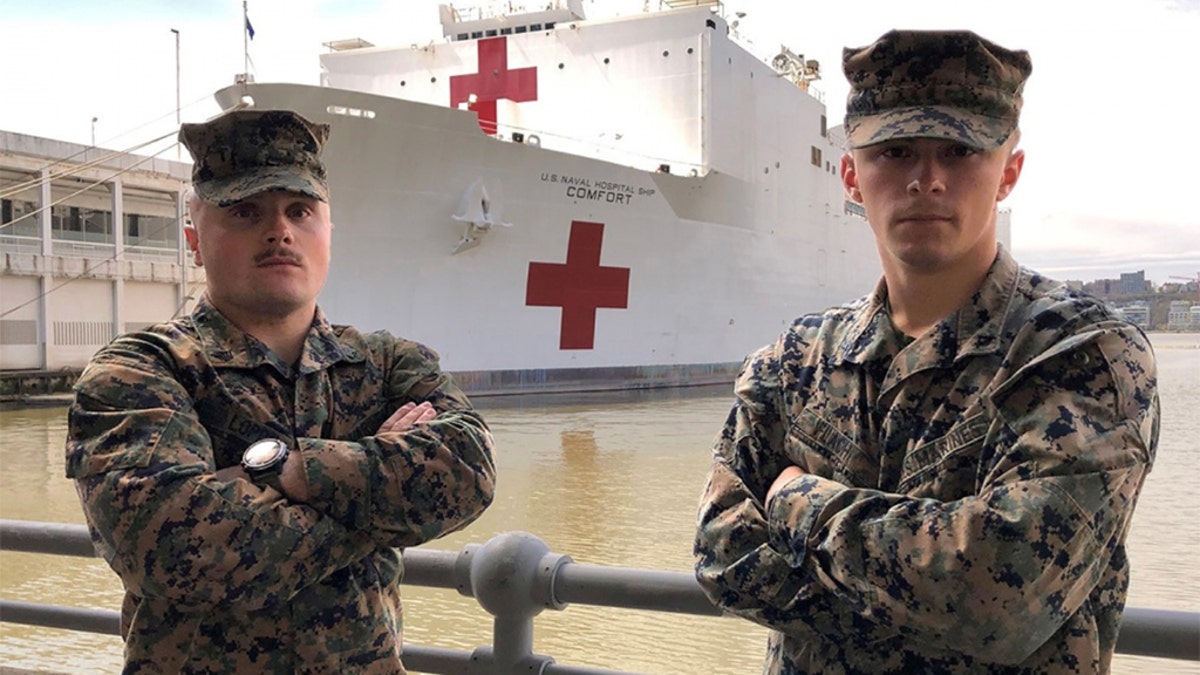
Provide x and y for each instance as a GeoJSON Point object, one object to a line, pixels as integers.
{"type": "Point", "coordinates": [582, 274]}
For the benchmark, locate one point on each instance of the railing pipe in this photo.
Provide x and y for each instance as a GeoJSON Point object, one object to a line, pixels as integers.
{"type": "Point", "coordinates": [1162, 633]}
{"type": "Point", "coordinates": [515, 576]}
{"type": "Point", "coordinates": [426, 567]}
{"type": "Point", "coordinates": [633, 588]}
{"type": "Point", "coordinates": [512, 577]}
{"type": "Point", "coordinates": [437, 660]}
{"type": "Point", "coordinates": [104, 621]}
{"type": "Point", "coordinates": [53, 538]}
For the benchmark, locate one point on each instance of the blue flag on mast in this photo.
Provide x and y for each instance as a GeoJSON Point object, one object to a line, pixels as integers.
{"type": "Point", "coordinates": [249, 28]}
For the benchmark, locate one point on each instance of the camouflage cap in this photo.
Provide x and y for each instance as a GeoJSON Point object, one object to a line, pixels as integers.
{"type": "Point", "coordinates": [244, 152]}
{"type": "Point", "coordinates": [933, 84]}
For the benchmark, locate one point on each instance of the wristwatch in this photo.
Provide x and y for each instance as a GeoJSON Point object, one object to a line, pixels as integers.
{"type": "Point", "coordinates": [263, 461]}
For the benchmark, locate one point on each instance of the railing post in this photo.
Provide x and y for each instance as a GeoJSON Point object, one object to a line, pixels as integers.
{"type": "Point", "coordinates": [512, 577]}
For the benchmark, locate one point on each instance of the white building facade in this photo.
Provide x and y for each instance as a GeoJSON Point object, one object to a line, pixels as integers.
{"type": "Point", "coordinates": [91, 246]}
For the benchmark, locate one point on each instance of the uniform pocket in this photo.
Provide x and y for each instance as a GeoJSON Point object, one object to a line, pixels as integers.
{"type": "Point", "coordinates": [101, 442]}
{"type": "Point", "coordinates": [817, 446]}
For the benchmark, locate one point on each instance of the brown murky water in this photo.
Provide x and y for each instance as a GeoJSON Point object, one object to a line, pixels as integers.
{"type": "Point", "coordinates": [609, 480]}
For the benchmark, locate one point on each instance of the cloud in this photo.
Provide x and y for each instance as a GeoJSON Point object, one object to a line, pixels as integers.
{"type": "Point", "coordinates": [1080, 246]}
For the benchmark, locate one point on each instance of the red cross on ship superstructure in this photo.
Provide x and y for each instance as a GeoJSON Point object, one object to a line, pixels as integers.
{"type": "Point", "coordinates": [580, 287]}
{"type": "Point", "coordinates": [493, 82]}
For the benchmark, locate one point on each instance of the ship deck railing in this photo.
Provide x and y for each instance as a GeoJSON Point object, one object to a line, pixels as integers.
{"type": "Point", "coordinates": [515, 576]}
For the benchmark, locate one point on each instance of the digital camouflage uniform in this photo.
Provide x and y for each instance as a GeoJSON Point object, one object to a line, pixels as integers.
{"type": "Point", "coordinates": [228, 577]}
{"type": "Point", "coordinates": [968, 493]}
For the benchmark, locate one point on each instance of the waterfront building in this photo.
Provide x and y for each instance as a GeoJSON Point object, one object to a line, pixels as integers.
{"type": "Point", "coordinates": [1179, 316]}
{"type": "Point", "coordinates": [91, 246]}
{"type": "Point", "coordinates": [1138, 314]}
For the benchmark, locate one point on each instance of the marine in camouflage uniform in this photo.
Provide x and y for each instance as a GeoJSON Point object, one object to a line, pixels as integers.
{"type": "Point", "coordinates": [226, 575]}
{"type": "Point", "coordinates": [963, 498]}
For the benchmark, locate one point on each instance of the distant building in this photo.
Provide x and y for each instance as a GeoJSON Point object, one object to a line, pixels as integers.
{"type": "Point", "coordinates": [91, 246]}
{"type": "Point", "coordinates": [1132, 283]}
{"type": "Point", "coordinates": [1138, 314]}
{"type": "Point", "coordinates": [1179, 316]}
{"type": "Point", "coordinates": [1195, 312]}
{"type": "Point", "coordinates": [1102, 287]}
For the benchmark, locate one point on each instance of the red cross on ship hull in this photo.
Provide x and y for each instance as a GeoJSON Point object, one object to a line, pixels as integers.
{"type": "Point", "coordinates": [580, 287]}
{"type": "Point", "coordinates": [493, 82]}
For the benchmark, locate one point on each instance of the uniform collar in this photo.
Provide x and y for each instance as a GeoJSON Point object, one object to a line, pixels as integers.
{"type": "Point", "coordinates": [974, 328]}
{"type": "Point", "coordinates": [227, 346]}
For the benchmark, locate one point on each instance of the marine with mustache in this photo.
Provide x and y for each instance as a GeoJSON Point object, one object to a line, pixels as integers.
{"type": "Point", "coordinates": [939, 477]}
{"type": "Point", "coordinates": [251, 470]}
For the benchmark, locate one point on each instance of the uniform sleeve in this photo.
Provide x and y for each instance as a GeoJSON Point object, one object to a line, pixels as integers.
{"type": "Point", "coordinates": [144, 470]}
{"type": "Point", "coordinates": [407, 488]}
{"type": "Point", "coordinates": [995, 574]}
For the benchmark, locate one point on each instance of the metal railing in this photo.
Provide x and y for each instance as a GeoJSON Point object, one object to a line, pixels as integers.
{"type": "Point", "coordinates": [515, 576]}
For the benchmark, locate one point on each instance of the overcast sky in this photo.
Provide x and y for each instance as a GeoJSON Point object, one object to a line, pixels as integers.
{"type": "Point", "coordinates": [1107, 125]}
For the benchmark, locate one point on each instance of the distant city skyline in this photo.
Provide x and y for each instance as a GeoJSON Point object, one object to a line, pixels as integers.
{"type": "Point", "coordinates": [1105, 188]}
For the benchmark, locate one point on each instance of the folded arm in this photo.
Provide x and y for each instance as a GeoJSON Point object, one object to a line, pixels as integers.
{"type": "Point", "coordinates": [994, 574]}
{"type": "Point", "coordinates": [146, 476]}
{"type": "Point", "coordinates": [407, 484]}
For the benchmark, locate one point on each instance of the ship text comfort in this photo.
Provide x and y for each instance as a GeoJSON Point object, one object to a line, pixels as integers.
{"type": "Point", "coordinates": [599, 190]}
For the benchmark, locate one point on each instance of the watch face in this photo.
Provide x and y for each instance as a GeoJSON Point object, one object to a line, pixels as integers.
{"type": "Point", "coordinates": [263, 453]}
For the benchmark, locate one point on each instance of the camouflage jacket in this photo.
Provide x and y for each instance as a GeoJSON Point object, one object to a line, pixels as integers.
{"type": "Point", "coordinates": [968, 493]}
{"type": "Point", "coordinates": [225, 576]}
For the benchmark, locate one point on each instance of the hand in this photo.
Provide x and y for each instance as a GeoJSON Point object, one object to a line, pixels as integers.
{"type": "Point", "coordinates": [293, 482]}
{"type": "Point", "coordinates": [407, 416]}
{"type": "Point", "coordinates": [786, 476]}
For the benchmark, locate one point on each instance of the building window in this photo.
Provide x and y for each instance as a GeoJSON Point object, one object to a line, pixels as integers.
{"type": "Point", "coordinates": [150, 219]}
{"type": "Point", "coordinates": [824, 131]}
{"type": "Point", "coordinates": [78, 223]}
{"type": "Point", "coordinates": [816, 156]}
{"type": "Point", "coordinates": [21, 211]}
{"type": "Point", "coordinates": [19, 206]}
